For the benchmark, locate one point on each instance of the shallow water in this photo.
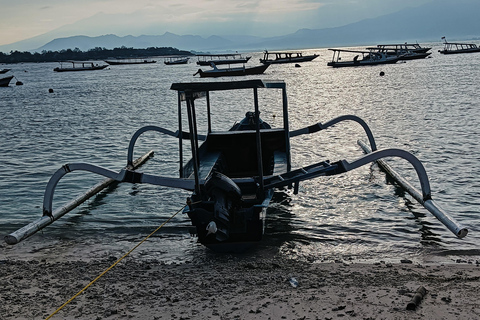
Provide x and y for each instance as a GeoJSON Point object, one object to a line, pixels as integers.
{"type": "Point", "coordinates": [428, 107]}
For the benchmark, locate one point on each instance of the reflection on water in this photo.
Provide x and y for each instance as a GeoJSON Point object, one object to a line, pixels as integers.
{"type": "Point", "coordinates": [428, 107]}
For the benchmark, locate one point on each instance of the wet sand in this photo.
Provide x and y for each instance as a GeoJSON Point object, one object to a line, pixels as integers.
{"type": "Point", "coordinates": [34, 284]}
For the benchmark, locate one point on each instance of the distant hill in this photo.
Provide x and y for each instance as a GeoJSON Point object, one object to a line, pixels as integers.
{"type": "Point", "coordinates": [459, 20]}
{"type": "Point", "coordinates": [112, 41]}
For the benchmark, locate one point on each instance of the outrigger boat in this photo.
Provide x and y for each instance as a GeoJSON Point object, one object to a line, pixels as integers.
{"type": "Point", "coordinates": [231, 71]}
{"type": "Point", "coordinates": [409, 47]}
{"type": "Point", "coordinates": [130, 61]}
{"type": "Point", "coordinates": [2, 71]}
{"type": "Point", "coordinates": [175, 60]}
{"type": "Point", "coordinates": [80, 66]}
{"type": "Point", "coordinates": [401, 51]}
{"type": "Point", "coordinates": [369, 58]}
{"type": "Point", "coordinates": [218, 59]}
{"type": "Point", "coordinates": [457, 47]}
{"type": "Point", "coordinates": [233, 172]}
{"type": "Point", "coordinates": [286, 57]}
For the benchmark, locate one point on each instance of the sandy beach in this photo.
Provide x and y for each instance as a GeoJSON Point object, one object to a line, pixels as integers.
{"type": "Point", "coordinates": [35, 283]}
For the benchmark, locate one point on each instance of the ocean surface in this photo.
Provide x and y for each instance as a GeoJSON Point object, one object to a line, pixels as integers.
{"type": "Point", "coordinates": [429, 107]}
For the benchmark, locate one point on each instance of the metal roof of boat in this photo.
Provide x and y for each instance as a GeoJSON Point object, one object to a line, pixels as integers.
{"type": "Point", "coordinates": [227, 85]}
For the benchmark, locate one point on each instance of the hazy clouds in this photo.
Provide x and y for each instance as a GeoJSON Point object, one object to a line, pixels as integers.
{"type": "Point", "coordinates": [22, 19]}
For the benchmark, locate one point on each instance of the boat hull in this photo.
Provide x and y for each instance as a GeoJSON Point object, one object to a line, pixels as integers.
{"type": "Point", "coordinates": [60, 69]}
{"type": "Point", "coordinates": [289, 60]}
{"type": "Point", "coordinates": [4, 82]}
{"type": "Point", "coordinates": [232, 72]}
{"type": "Point", "coordinates": [111, 62]}
{"type": "Point", "coordinates": [182, 61]}
{"type": "Point", "coordinates": [359, 63]}
{"type": "Point", "coordinates": [459, 51]}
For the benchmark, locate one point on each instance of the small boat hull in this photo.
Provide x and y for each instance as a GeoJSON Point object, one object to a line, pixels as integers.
{"type": "Point", "coordinates": [232, 72]}
{"type": "Point", "coordinates": [4, 82]}
{"type": "Point", "coordinates": [119, 62]}
{"type": "Point", "coordinates": [61, 69]}
{"type": "Point", "coordinates": [358, 63]}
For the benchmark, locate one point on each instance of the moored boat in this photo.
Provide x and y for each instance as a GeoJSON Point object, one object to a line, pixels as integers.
{"type": "Point", "coordinates": [368, 58]}
{"type": "Point", "coordinates": [175, 60]}
{"type": "Point", "coordinates": [130, 61]}
{"type": "Point", "coordinates": [404, 51]}
{"type": "Point", "coordinates": [231, 71]}
{"type": "Point", "coordinates": [219, 59]}
{"type": "Point", "coordinates": [4, 82]}
{"type": "Point", "coordinates": [285, 57]}
{"type": "Point", "coordinates": [233, 172]}
{"type": "Point", "coordinates": [79, 66]}
{"type": "Point", "coordinates": [458, 47]}
{"type": "Point", "coordinates": [407, 47]}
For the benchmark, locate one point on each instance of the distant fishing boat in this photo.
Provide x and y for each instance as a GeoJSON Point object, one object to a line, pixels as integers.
{"type": "Point", "coordinates": [369, 58]}
{"type": "Point", "coordinates": [175, 60]}
{"type": "Point", "coordinates": [218, 59]}
{"type": "Point", "coordinates": [405, 51]}
{"type": "Point", "coordinates": [130, 61]}
{"type": "Point", "coordinates": [231, 71]}
{"type": "Point", "coordinates": [458, 47]}
{"type": "Point", "coordinates": [285, 57]}
{"type": "Point", "coordinates": [412, 47]}
{"type": "Point", "coordinates": [79, 66]}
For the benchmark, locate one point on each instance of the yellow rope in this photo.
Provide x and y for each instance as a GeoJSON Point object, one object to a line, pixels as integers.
{"type": "Point", "coordinates": [113, 265]}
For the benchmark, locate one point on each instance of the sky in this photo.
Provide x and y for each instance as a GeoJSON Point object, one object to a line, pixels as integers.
{"type": "Point", "coordinates": [24, 19]}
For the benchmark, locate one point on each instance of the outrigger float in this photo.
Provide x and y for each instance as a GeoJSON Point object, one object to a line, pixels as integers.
{"type": "Point", "coordinates": [232, 173]}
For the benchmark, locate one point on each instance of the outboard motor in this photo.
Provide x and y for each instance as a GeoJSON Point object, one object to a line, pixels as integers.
{"type": "Point", "coordinates": [226, 196]}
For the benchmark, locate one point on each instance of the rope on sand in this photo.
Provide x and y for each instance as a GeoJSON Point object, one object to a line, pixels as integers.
{"type": "Point", "coordinates": [113, 265]}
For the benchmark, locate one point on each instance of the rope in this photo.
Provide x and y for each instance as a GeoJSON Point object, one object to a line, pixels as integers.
{"type": "Point", "coordinates": [116, 262]}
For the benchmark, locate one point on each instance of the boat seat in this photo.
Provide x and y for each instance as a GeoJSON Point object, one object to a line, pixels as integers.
{"type": "Point", "coordinates": [207, 164]}
{"type": "Point", "coordinates": [240, 153]}
{"type": "Point", "coordinates": [279, 162]}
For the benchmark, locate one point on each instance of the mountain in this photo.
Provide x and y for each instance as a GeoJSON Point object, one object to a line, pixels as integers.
{"type": "Point", "coordinates": [456, 21]}
{"type": "Point", "coordinates": [84, 43]}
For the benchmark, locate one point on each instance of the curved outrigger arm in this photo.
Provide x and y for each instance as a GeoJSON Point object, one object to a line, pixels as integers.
{"type": "Point", "coordinates": [328, 169]}
{"type": "Point", "coordinates": [319, 126]}
{"type": "Point", "coordinates": [125, 175]}
{"type": "Point", "coordinates": [139, 132]}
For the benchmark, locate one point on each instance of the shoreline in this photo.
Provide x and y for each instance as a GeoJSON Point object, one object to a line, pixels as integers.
{"type": "Point", "coordinates": [232, 287]}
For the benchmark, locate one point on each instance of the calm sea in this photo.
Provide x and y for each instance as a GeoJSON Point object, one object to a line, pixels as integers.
{"type": "Point", "coordinates": [429, 107]}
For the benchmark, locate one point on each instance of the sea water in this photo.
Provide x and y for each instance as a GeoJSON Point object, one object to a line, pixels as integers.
{"type": "Point", "coordinates": [429, 107]}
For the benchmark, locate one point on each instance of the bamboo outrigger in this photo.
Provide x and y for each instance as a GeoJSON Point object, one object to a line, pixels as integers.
{"type": "Point", "coordinates": [232, 173]}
